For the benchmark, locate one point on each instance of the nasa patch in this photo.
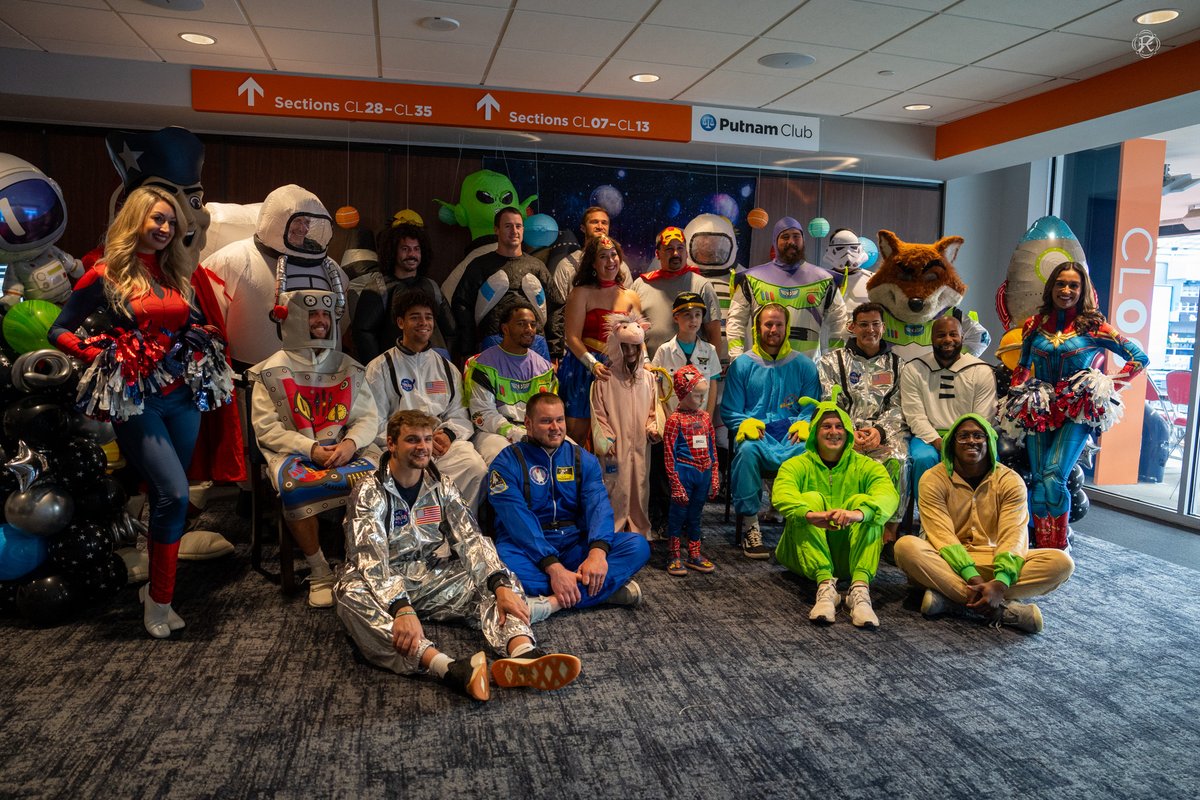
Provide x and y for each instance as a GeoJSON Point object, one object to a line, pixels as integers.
{"type": "Point", "coordinates": [539, 475]}
{"type": "Point", "coordinates": [407, 384]}
{"type": "Point", "coordinates": [855, 377]}
{"type": "Point", "coordinates": [564, 474]}
{"type": "Point", "coordinates": [496, 484]}
{"type": "Point", "coordinates": [400, 518]}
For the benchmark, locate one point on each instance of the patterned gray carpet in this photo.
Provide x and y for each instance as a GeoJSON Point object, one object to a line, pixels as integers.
{"type": "Point", "coordinates": [717, 687]}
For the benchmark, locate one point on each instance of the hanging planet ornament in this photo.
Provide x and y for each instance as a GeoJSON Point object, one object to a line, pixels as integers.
{"type": "Point", "coordinates": [346, 217]}
{"type": "Point", "coordinates": [818, 227]}
{"type": "Point", "coordinates": [758, 218]}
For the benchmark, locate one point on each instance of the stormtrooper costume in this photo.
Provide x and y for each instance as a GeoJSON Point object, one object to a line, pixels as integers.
{"type": "Point", "coordinates": [310, 392]}
{"type": "Point", "coordinates": [36, 269]}
{"type": "Point", "coordinates": [430, 555]}
{"type": "Point", "coordinates": [252, 272]}
{"type": "Point", "coordinates": [843, 258]}
{"type": "Point", "coordinates": [427, 381]}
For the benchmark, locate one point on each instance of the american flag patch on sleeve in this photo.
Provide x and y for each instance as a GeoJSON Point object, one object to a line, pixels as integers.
{"type": "Point", "coordinates": [428, 515]}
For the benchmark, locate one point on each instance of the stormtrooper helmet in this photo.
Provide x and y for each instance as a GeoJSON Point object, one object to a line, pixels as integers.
{"type": "Point", "coordinates": [844, 252]}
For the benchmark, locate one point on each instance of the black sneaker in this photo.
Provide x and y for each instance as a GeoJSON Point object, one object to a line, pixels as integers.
{"type": "Point", "coordinates": [470, 677]}
{"type": "Point", "coordinates": [536, 669]}
{"type": "Point", "coordinates": [752, 543]}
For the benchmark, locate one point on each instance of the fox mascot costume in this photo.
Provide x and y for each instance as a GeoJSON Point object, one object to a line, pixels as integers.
{"type": "Point", "coordinates": [916, 284]}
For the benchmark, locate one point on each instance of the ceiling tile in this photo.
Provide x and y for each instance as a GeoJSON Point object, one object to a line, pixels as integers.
{"type": "Point", "coordinates": [613, 79]}
{"type": "Point", "coordinates": [138, 52]}
{"type": "Point", "coordinates": [344, 16]}
{"type": "Point", "coordinates": [1125, 58]}
{"type": "Point", "coordinates": [209, 59]}
{"type": "Point", "coordinates": [739, 89]}
{"type": "Point", "coordinates": [846, 23]}
{"type": "Point", "coordinates": [719, 15]}
{"type": "Point", "coordinates": [826, 58]}
{"type": "Point", "coordinates": [920, 5]}
{"type": "Point", "coordinates": [956, 39]}
{"type": "Point", "coordinates": [975, 83]}
{"type": "Point", "coordinates": [877, 117]}
{"type": "Point", "coordinates": [452, 61]}
{"type": "Point", "coordinates": [326, 68]}
{"type": "Point", "coordinates": [12, 39]}
{"type": "Point", "coordinates": [1039, 88]}
{"type": "Point", "coordinates": [333, 48]}
{"type": "Point", "coordinates": [480, 25]}
{"type": "Point", "coordinates": [909, 72]}
{"type": "Point", "coordinates": [559, 33]}
{"type": "Point", "coordinates": [67, 23]}
{"type": "Point", "coordinates": [212, 11]}
{"type": "Point", "coordinates": [623, 10]}
{"type": "Point", "coordinates": [163, 33]}
{"type": "Point", "coordinates": [1036, 15]}
{"type": "Point", "coordinates": [834, 99]}
{"type": "Point", "coordinates": [969, 111]}
{"type": "Point", "coordinates": [101, 4]}
{"type": "Point", "coordinates": [1056, 54]}
{"type": "Point", "coordinates": [1116, 20]}
{"type": "Point", "coordinates": [1183, 38]}
{"type": "Point", "coordinates": [524, 67]}
{"type": "Point", "coordinates": [940, 106]}
{"type": "Point", "coordinates": [681, 46]}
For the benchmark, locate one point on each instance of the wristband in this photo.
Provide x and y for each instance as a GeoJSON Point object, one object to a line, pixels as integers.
{"type": "Point", "coordinates": [406, 614]}
{"type": "Point", "coordinates": [591, 362]}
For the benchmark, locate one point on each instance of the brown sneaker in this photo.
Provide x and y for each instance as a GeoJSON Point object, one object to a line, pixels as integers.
{"type": "Point", "coordinates": [470, 677]}
{"type": "Point", "coordinates": [536, 669]}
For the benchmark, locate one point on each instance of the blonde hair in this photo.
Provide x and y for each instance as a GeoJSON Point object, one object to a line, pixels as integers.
{"type": "Point", "coordinates": [126, 276]}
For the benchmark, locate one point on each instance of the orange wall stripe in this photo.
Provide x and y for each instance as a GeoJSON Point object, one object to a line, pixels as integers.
{"type": "Point", "coordinates": [1169, 74]}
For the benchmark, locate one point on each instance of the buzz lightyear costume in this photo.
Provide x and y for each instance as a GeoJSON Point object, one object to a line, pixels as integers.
{"type": "Point", "coordinates": [36, 269]}
{"type": "Point", "coordinates": [430, 555]}
{"type": "Point", "coordinates": [762, 405]}
{"type": "Point", "coordinates": [855, 483]}
{"type": "Point", "coordinates": [309, 392]}
{"type": "Point", "coordinates": [816, 313]}
{"type": "Point", "coordinates": [498, 384]}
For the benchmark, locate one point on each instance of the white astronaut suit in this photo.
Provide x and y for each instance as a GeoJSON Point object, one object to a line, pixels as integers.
{"type": "Point", "coordinates": [247, 271]}
{"type": "Point", "coordinates": [33, 217]}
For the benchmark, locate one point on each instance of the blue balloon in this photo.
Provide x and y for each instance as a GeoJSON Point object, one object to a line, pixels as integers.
{"type": "Point", "coordinates": [872, 250]}
{"type": "Point", "coordinates": [20, 553]}
{"type": "Point", "coordinates": [540, 231]}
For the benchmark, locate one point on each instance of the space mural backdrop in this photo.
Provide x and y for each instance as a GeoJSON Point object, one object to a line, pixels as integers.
{"type": "Point", "coordinates": [640, 200]}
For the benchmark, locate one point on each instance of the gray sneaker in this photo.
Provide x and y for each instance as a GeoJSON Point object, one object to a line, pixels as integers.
{"type": "Point", "coordinates": [629, 595]}
{"type": "Point", "coordinates": [824, 610]}
{"type": "Point", "coordinates": [858, 601]}
{"type": "Point", "coordinates": [934, 604]}
{"type": "Point", "coordinates": [1022, 616]}
{"type": "Point", "coordinates": [752, 543]}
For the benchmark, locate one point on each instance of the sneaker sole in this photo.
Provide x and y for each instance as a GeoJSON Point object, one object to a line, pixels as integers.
{"type": "Point", "coordinates": [699, 568]}
{"type": "Point", "coordinates": [756, 556]}
{"type": "Point", "coordinates": [550, 672]}
{"type": "Point", "coordinates": [478, 687]}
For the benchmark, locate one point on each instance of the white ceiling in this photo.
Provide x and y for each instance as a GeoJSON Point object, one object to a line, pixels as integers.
{"type": "Point", "coordinates": [960, 57]}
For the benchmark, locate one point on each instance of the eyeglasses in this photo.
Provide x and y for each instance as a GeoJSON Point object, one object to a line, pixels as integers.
{"type": "Point", "coordinates": [970, 436]}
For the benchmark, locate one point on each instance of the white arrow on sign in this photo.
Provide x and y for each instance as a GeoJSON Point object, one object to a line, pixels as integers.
{"type": "Point", "coordinates": [248, 88]}
{"type": "Point", "coordinates": [487, 103]}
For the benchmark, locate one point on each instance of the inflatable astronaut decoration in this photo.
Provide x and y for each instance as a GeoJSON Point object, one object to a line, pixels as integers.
{"type": "Point", "coordinates": [33, 217]}
{"type": "Point", "coordinates": [844, 256]}
{"type": "Point", "coordinates": [1048, 243]}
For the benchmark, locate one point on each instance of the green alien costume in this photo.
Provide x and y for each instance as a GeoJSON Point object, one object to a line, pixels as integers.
{"type": "Point", "coordinates": [855, 483]}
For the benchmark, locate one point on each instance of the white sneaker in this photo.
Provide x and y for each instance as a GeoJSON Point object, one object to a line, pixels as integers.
{"type": "Point", "coordinates": [540, 609]}
{"type": "Point", "coordinates": [859, 603]}
{"type": "Point", "coordinates": [1022, 616]}
{"type": "Point", "coordinates": [320, 591]}
{"type": "Point", "coordinates": [824, 610]}
{"type": "Point", "coordinates": [934, 604]}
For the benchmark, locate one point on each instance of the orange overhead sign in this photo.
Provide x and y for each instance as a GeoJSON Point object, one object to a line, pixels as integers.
{"type": "Point", "coordinates": [270, 94]}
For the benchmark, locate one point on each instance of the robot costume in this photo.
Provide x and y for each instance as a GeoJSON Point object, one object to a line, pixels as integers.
{"type": "Point", "coordinates": [286, 253]}
{"type": "Point", "coordinates": [816, 313]}
{"type": "Point", "coordinates": [310, 392]}
{"type": "Point", "coordinates": [430, 555]}
{"type": "Point", "coordinates": [498, 384]}
{"type": "Point", "coordinates": [33, 217]}
{"type": "Point", "coordinates": [843, 258]}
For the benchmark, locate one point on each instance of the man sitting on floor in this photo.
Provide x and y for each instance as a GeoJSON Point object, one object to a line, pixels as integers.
{"type": "Point", "coordinates": [554, 522]}
{"type": "Point", "coordinates": [413, 552]}
{"type": "Point", "coordinates": [835, 501]}
{"type": "Point", "coordinates": [976, 555]}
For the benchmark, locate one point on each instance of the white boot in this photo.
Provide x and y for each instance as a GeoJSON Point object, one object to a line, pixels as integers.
{"type": "Point", "coordinates": [159, 619]}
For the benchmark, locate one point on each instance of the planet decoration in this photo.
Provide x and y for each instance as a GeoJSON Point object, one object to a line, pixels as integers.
{"type": "Point", "coordinates": [609, 198]}
{"type": "Point", "coordinates": [758, 218]}
{"type": "Point", "coordinates": [872, 250]}
{"type": "Point", "coordinates": [27, 325]}
{"type": "Point", "coordinates": [540, 231]}
{"type": "Point", "coordinates": [406, 216]}
{"type": "Point", "coordinates": [723, 205]}
{"type": "Point", "coordinates": [818, 227]}
{"type": "Point", "coordinates": [346, 217]}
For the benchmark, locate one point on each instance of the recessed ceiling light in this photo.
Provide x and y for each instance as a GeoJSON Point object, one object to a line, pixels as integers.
{"type": "Point", "coordinates": [440, 24]}
{"type": "Point", "coordinates": [918, 107]}
{"type": "Point", "coordinates": [197, 38]}
{"type": "Point", "coordinates": [643, 77]}
{"type": "Point", "coordinates": [786, 60]}
{"type": "Point", "coordinates": [1157, 17]}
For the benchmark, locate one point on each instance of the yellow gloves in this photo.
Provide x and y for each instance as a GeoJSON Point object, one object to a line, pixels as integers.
{"type": "Point", "coordinates": [750, 429]}
{"type": "Point", "coordinates": [799, 430]}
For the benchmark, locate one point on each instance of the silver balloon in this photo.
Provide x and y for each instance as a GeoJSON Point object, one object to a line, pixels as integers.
{"type": "Point", "coordinates": [41, 369]}
{"type": "Point", "coordinates": [28, 466]}
{"type": "Point", "coordinates": [42, 510]}
{"type": "Point", "coordinates": [126, 529]}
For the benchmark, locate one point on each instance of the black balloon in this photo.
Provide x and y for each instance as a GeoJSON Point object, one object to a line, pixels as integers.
{"type": "Point", "coordinates": [99, 321]}
{"type": "Point", "coordinates": [1075, 479]}
{"type": "Point", "coordinates": [39, 419]}
{"type": "Point", "coordinates": [1080, 504]}
{"type": "Point", "coordinates": [44, 509]}
{"type": "Point", "coordinates": [80, 549]}
{"type": "Point", "coordinates": [79, 463]}
{"type": "Point", "coordinates": [103, 582]}
{"type": "Point", "coordinates": [48, 600]}
{"type": "Point", "coordinates": [101, 501]}
{"type": "Point", "coordinates": [1007, 449]}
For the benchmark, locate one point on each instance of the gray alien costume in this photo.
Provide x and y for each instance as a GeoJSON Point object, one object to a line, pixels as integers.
{"type": "Point", "coordinates": [431, 556]}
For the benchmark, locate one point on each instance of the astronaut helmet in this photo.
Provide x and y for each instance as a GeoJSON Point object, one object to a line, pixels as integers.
{"type": "Point", "coordinates": [711, 243]}
{"type": "Point", "coordinates": [292, 221]}
{"type": "Point", "coordinates": [843, 252]}
{"type": "Point", "coordinates": [311, 320]}
{"type": "Point", "coordinates": [32, 213]}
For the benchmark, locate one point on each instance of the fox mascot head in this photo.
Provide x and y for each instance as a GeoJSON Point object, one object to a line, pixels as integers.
{"type": "Point", "coordinates": [916, 282]}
